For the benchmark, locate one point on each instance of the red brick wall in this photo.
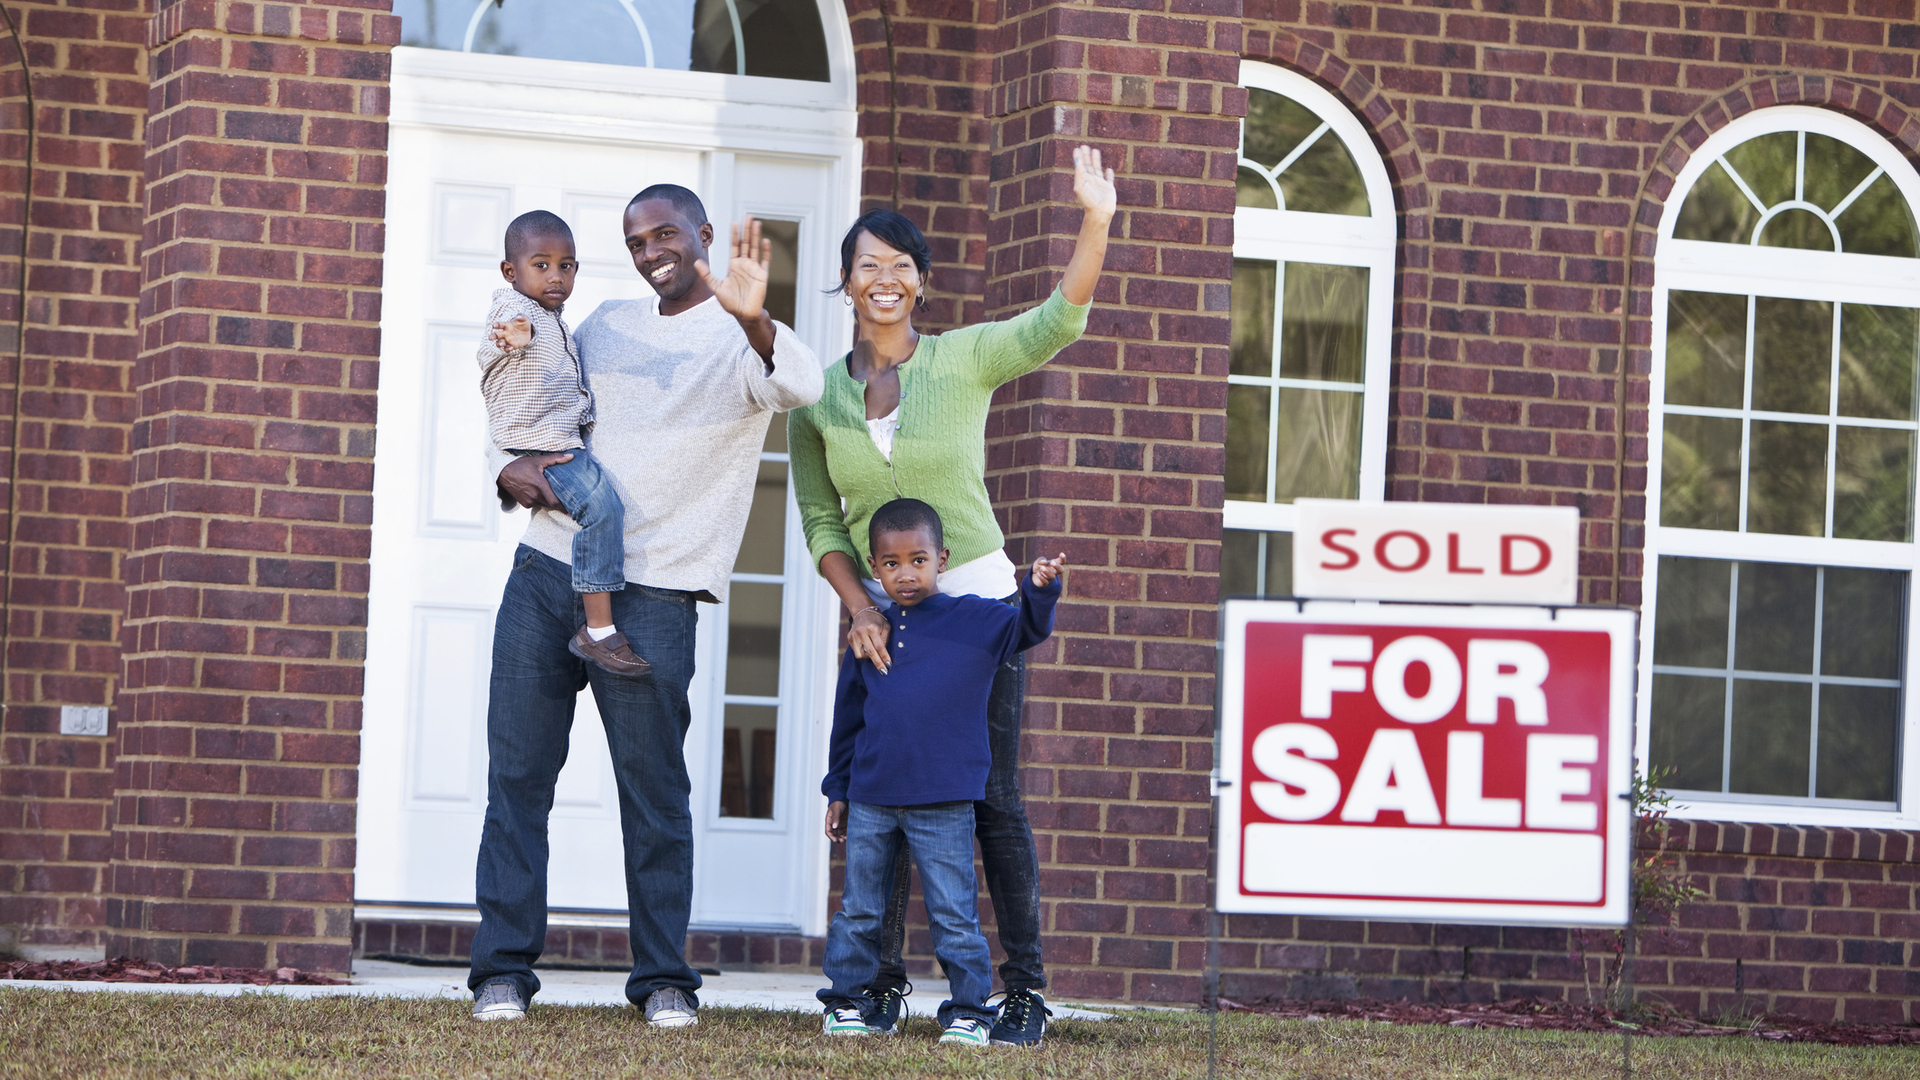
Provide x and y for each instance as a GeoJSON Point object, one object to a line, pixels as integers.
{"type": "Point", "coordinates": [63, 595]}
{"type": "Point", "coordinates": [246, 582]}
{"type": "Point", "coordinates": [1113, 454]}
{"type": "Point", "coordinates": [1819, 923]}
{"type": "Point", "coordinates": [924, 71]}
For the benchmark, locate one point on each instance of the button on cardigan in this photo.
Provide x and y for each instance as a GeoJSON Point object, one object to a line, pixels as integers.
{"type": "Point", "coordinates": [940, 450]}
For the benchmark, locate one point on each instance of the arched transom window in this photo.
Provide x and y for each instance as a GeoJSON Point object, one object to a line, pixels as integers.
{"type": "Point", "coordinates": [780, 39]}
{"type": "Point", "coordinates": [1313, 249]}
{"type": "Point", "coordinates": [1787, 333]}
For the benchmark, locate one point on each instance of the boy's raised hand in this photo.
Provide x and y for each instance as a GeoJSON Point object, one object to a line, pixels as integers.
{"type": "Point", "coordinates": [836, 821]}
{"type": "Point", "coordinates": [1045, 569]}
{"type": "Point", "coordinates": [508, 336]}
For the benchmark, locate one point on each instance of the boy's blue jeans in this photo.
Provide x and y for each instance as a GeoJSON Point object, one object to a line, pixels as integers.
{"type": "Point", "coordinates": [600, 547]}
{"type": "Point", "coordinates": [1006, 850]}
{"type": "Point", "coordinates": [941, 838]}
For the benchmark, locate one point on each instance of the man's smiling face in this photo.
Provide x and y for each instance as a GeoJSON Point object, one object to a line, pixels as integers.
{"type": "Point", "coordinates": [664, 245]}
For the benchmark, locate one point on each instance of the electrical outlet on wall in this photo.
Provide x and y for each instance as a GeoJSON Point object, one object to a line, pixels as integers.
{"type": "Point", "coordinates": [83, 719]}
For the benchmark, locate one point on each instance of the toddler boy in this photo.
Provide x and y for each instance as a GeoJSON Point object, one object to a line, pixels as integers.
{"type": "Point", "coordinates": [909, 758]}
{"type": "Point", "coordinates": [538, 403]}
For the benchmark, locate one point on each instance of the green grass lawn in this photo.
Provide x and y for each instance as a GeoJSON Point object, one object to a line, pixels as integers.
{"type": "Point", "coordinates": [50, 1034]}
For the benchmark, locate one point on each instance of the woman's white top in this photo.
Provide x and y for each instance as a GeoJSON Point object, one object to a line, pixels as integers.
{"type": "Point", "coordinates": [882, 431]}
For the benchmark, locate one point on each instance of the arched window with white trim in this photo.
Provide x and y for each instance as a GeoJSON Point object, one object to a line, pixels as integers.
{"type": "Point", "coordinates": [1781, 555]}
{"type": "Point", "coordinates": [1313, 253]}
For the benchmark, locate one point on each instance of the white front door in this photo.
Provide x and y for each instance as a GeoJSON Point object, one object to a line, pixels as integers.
{"type": "Point", "coordinates": [442, 548]}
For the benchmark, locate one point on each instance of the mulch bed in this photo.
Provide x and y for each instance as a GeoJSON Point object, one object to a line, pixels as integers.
{"type": "Point", "coordinates": [1565, 1016]}
{"type": "Point", "coordinates": [125, 969]}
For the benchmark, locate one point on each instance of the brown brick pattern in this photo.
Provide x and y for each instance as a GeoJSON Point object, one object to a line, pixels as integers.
{"type": "Point", "coordinates": [76, 340]}
{"type": "Point", "coordinates": [923, 73]}
{"type": "Point", "coordinates": [1545, 131]}
{"type": "Point", "coordinates": [1114, 454]}
{"type": "Point", "coordinates": [1819, 923]}
{"type": "Point", "coordinates": [247, 576]}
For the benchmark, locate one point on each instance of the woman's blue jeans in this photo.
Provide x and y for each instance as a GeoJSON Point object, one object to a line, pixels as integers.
{"type": "Point", "coordinates": [940, 836]}
{"type": "Point", "coordinates": [600, 547]}
{"type": "Point", "coordinates": [1007, 853]}
{"type": "Point", "coordinates": [529, 721]}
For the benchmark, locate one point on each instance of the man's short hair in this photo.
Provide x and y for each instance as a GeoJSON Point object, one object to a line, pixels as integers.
{"type": "Point", "coordinates": [905, 515]}
{"type": "Point", "coordinates": [535, 225]}
{"type": "Point", "coordinates": [686, 202]}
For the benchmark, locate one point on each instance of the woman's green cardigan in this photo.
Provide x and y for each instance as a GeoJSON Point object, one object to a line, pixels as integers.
{"type": "Point", "coordinates": [940, 451]}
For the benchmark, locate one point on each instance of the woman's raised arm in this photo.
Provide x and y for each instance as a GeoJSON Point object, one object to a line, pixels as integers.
{"type": "Point", "coordinates": [1093, 187]}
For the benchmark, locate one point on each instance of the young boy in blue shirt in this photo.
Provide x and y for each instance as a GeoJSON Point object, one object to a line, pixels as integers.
{"type": "Point", "coordinates": [909, 758]}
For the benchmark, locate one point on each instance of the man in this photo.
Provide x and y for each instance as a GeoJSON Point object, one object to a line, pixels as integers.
{"type": "Point", "coordinates": [684, 385]}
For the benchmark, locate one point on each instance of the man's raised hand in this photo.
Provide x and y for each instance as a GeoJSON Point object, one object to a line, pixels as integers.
{"type": "Point", "coordinates": [743, 292]}
{"type": "Point", "coordinates": [1045, 569]}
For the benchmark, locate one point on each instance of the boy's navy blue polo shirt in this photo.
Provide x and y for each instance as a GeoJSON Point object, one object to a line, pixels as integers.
{"type": "Point", "coordinates": [918, 734]}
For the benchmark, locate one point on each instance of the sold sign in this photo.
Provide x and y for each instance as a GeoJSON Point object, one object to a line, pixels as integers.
{"type": "Point", "coordinates": [1435, 551]}
{"type": "Point", "coordinates": [1428, 762]}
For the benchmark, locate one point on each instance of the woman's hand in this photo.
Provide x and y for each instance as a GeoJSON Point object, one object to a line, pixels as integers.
{"type": "Point", "coordinates": [836, 821]}
{"type": "Point", "coordinates": [1045, 569]}
{"type": "Point", "coordinates": [868, 639]}
{"type": "Point", "coordinates": [1092, 185]}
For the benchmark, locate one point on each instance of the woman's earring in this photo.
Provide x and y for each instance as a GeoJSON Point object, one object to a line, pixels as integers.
{"type": "Point", "coordinates": [848, 297]}
{"type": "Point", "coordinates": [920, 301]}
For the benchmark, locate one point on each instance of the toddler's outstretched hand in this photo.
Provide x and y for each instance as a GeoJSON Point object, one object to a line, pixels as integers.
{"type": "Point", "coordinates": [508, 336]}
{"type": "Point", "coordinates": [1045, 570]}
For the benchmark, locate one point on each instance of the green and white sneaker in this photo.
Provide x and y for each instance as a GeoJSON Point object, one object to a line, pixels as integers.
{"type": "Point", "coordinates": [966, 1031]}
{"type": "Point", "coordinates": [845, 1020]}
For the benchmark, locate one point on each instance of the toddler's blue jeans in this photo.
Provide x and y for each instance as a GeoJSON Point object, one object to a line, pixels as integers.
{"type": "Point", "coordinates": [600, 547]}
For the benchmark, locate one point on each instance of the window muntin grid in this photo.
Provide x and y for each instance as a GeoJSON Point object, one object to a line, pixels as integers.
{"type": "Point", "coordinates": [1748, 268]}
{"type": "Point", "coordinates": [1799, 189]}
{"type": "Point", "coordinates": [1789, 416]}
{"type": "Point", "coordinates": [1315, 239]}
{"type": "Point", "coordinates": [1779, 681]}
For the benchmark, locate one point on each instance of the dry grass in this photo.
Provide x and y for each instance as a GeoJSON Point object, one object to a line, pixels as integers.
{"type": "Point", "coordinates": [52, 1034]}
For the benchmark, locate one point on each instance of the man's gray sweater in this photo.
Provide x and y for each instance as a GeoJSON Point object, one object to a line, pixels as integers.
{"type": "Point", "coordinates": [682, 403]}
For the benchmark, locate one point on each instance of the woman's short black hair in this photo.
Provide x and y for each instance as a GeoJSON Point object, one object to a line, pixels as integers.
{"type": "Point", "coordinates": [891, 229]}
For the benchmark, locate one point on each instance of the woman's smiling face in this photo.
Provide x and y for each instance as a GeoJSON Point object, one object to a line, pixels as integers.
{"type": "Point", "coordinates": [884, 282]}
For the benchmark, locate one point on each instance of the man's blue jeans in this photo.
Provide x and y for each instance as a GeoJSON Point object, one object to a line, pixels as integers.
{"type": "Point", "coordinates": [529, 718]}
{"type": "Point", "coordinates": [941, 838]}
{"type": "Point", "coordinates": [600, 547]}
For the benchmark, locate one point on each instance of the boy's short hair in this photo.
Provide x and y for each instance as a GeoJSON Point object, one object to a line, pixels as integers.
{"type": "Point", "coordinates": [683, 200]}
{"type": "Point", "coordinates": [534, 225]}
{"type": "Point", "coordinates": [905, 515]}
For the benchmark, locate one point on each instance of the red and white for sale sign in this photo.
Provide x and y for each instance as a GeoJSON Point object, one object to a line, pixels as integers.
{"type": "Point", "coordinates": [1426, 762]}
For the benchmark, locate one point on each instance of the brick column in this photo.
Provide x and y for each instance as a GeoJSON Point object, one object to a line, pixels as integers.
{"type": "Point", "coordinates": [75, 340]}
{"type": "Point", "coordinates": [923, 72]}
{"type": "Point", "coordinates": [253, 461]}
{"type": "Point", "coordinates": [1114, 454]}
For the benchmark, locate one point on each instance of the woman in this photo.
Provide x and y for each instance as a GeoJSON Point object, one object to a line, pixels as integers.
{"type": "Point", "coordinates": [905, 415]}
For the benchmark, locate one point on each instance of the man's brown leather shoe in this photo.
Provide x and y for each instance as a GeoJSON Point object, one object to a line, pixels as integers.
{"type": "Point", "coordinates": [609, 654]}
